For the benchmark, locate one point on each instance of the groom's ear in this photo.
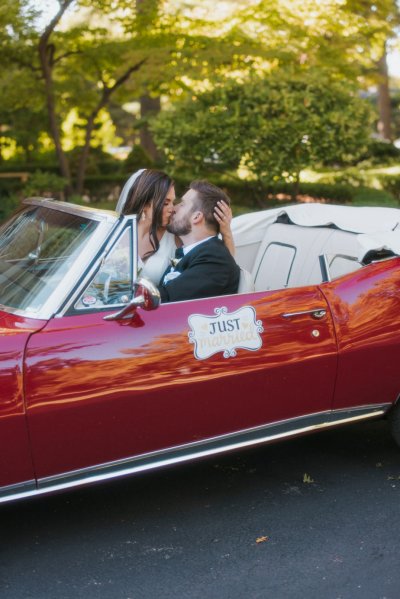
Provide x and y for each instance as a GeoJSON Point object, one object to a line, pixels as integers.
{"type": "Point", "coordinates": [197, 217]}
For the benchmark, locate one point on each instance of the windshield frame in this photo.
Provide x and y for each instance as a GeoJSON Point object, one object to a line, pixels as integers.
{"type": "Point", "coordinates": [125, 222]}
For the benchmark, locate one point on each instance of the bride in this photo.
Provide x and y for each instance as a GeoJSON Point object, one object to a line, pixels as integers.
{"type": "Point", "coordinates": [151, 195]}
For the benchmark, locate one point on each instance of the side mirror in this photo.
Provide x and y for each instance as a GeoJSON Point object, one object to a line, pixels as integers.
{"type": "Point", "coordinates": [145, 296]}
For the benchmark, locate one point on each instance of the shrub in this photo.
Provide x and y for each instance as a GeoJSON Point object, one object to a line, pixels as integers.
{"type": "Point", "coordinates": [381, 151]}
{"type": "Point", "coordinates": [8, 203]}
{"type": "Point", "coordinates": [9, 166]}
{"type": "Point", "coordinates": [391, 183]}
{"type": "Point", "coordinates": [98, 162]}
{"type": "Point", "coordinates": [353, 176]}
{"type": "Point", "coordinates": [45, 184]}
{"type": "Point", "coordinates": [274, 126]}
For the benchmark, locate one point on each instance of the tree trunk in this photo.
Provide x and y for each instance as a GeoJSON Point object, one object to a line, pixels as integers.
{"type": "Point", "coordinates": [296, 188]}
{"type": "Point", "coordinates": [46, 58]}
{"type": "Point", "coordinates": [80, 177]}
{"type": "Point", "coordinates": [147, 11]}
{"type": "Point", "coordinates": [384, 107]}
{"type": "Point", "coordinates": [149, 107]}
{"type": "Point", "coordinates": [45, 61]}
{"type": "Point", "coordinates": [104, 100]}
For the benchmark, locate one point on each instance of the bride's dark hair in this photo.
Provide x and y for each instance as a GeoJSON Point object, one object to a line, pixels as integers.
{"type": "Point", "coordinates": [151, 187]}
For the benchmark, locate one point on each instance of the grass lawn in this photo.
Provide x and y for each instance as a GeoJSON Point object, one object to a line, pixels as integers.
{"type": "Point", "coordinates": [368, 196]}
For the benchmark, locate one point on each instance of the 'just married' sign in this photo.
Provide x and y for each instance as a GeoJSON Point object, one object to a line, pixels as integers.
{"type": "Point", "coordinates": [225, 332]}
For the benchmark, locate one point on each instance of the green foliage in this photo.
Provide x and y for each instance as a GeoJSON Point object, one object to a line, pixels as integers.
{"type": "Point", "coordinates": [377, 186]}
{"type": "Point", "coordinates": [354, 176]}
{"type": "Point", "coordinates": [391, 183]}
{"type": "Point", "coordinates": [19, 166]}
{"type": "Point", "coordinates": [179, 46]}
{"type": "Point", "coordinates": [44, 184]}
{"type": "Point", "coordinates": [245, 199]}
{"type": "Point", "coordinates": [99, 162]}
{"type": "Point", "coordinates": [381, 152]}
{"type": "Point", "coordinates": [384, 180]}
{"type": "Point", "coordinates": [336, 193]}
{"type": "Point", "coordinates": [274, 126]}
{"type": "Point", "coordinates": [136, 159]}
{"type": "Point", "coordinates": [8, 203]}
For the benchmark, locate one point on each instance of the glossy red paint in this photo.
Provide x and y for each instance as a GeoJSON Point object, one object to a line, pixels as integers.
{"type": "Point", "coordinates": [366, 311]}
{"type": "Point", "coordinates": [15, 456]}
{"type": "Point", "coordinates": [100, 390]}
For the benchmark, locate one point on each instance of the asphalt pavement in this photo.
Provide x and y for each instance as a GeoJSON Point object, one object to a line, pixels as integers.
{"type": "Point", "coordinates": [316, 517]}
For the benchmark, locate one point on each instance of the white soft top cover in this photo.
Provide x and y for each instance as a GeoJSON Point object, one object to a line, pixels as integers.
{"type": "Point", "coordinates": [377, 228]}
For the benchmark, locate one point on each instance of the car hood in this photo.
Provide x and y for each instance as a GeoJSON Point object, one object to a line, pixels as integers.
{"type": "Point", "coordinates": [15, 325]}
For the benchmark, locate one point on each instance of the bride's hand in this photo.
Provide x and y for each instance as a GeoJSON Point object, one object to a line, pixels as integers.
{"type": "Point", "coordinates": [223, 216]}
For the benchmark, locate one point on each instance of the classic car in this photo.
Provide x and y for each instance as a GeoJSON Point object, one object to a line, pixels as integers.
{"type": "Point", "coordinates": [100, 380]}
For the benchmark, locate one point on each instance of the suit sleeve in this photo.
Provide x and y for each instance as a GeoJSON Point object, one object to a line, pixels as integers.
{"type": "Point", "coordinates": [210, 273]}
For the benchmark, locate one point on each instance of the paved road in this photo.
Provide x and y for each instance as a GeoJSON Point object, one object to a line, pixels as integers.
{"type": "Point", "coordinates": [325, 510]}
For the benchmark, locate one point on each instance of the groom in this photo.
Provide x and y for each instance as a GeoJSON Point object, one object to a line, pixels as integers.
{"type": "Point", "coordinates": [206, 267]}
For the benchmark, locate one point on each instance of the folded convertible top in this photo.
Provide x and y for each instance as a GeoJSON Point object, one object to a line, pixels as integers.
{"type": "Point", "coordinates": [377, 228]}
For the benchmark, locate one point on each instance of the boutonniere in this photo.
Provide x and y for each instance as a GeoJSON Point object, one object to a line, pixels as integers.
{"type": "Point", "coordinates": [175, 261]}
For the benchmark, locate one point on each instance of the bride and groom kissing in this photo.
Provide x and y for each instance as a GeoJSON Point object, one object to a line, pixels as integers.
{"type": "Point", "coordinates": [178, 244]}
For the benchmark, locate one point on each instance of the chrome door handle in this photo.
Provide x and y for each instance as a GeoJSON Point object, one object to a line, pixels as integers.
{"type": "Point", "coordinates": [317, 313]}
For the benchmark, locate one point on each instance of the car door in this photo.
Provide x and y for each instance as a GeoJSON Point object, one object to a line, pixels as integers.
{"type": "Point", "coordinates": [102, 392]}
{"type": "Point", "coordinates": [365, 307]}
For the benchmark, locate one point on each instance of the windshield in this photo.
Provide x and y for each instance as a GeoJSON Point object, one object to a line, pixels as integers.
{"type": "Point", "coordinates": [37, 248]}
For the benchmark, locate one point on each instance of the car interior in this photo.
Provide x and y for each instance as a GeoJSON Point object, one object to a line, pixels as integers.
{"type": "Point", "coordinates": [288, 255]}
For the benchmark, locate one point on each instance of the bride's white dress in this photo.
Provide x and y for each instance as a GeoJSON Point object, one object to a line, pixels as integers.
{"type": "Point", "coordinates": [154, 267]}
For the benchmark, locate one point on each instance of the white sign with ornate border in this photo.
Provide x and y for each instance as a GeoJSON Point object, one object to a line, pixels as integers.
{"type": "Point", "coordinates": [225, 332]}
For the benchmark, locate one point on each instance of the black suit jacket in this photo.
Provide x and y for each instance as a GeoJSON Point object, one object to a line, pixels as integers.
{"type": "Point", "coordinates": [207, 270]}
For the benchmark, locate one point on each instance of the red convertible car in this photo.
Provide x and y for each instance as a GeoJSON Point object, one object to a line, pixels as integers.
{"type": "Point", "coordinates": [100, 380]}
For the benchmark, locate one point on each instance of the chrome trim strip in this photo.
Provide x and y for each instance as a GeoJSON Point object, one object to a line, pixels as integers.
{"type": "Point", "coordinates": [86, 211]}
{"type": "Point", "coordinates": [260, 261]}
{"type": "Point", "coordinates": [81, 264]}
{"type": "Point", "coordinates": [316, 312]}
{"type": "Point", "coordinates": [27, 488]}
{"type": "Point", "coordinates": [323, 263]}
{"type": "Point", "coordinates": [229, 442]}
{"type": "Point", "coordinates": [129, 221]}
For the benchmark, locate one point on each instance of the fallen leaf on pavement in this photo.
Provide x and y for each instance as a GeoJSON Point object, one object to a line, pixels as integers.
{"type": "Point", "coordinates": [262, 539]}
{"type": "Point", "coordinates": [307, 478]}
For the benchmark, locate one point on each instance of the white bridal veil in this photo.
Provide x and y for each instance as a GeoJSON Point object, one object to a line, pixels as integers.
{"type": "Point", "coordinates": [125, 190]}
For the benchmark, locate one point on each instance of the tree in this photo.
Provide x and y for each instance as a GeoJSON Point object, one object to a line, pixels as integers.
{"type": "Point", "coordinates": [349, 38]}
{"type": "Point", "coordinates": [381, 21]}
{"type": "Point", "coordinates": [85, 66]}
{"type": "Point", "coordinates": [66, 62]}
{"type": "Point", "coordinates": [272, 127]}
{"type": "Point", "coordinates": [96, 52]}
{"type": "Point", "coordinates": [21, 112]}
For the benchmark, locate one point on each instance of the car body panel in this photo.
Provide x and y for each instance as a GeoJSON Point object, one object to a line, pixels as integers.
{"type": "Point", "coordinates": [101, 390]}
{"type": "Point", "coordinates": [15, 455]}
{"type": "Point", "coordinates": [366, 311]}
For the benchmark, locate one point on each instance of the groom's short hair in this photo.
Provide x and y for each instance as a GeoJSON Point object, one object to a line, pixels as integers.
{"type": "Point", "coordinates": [208, 196]}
